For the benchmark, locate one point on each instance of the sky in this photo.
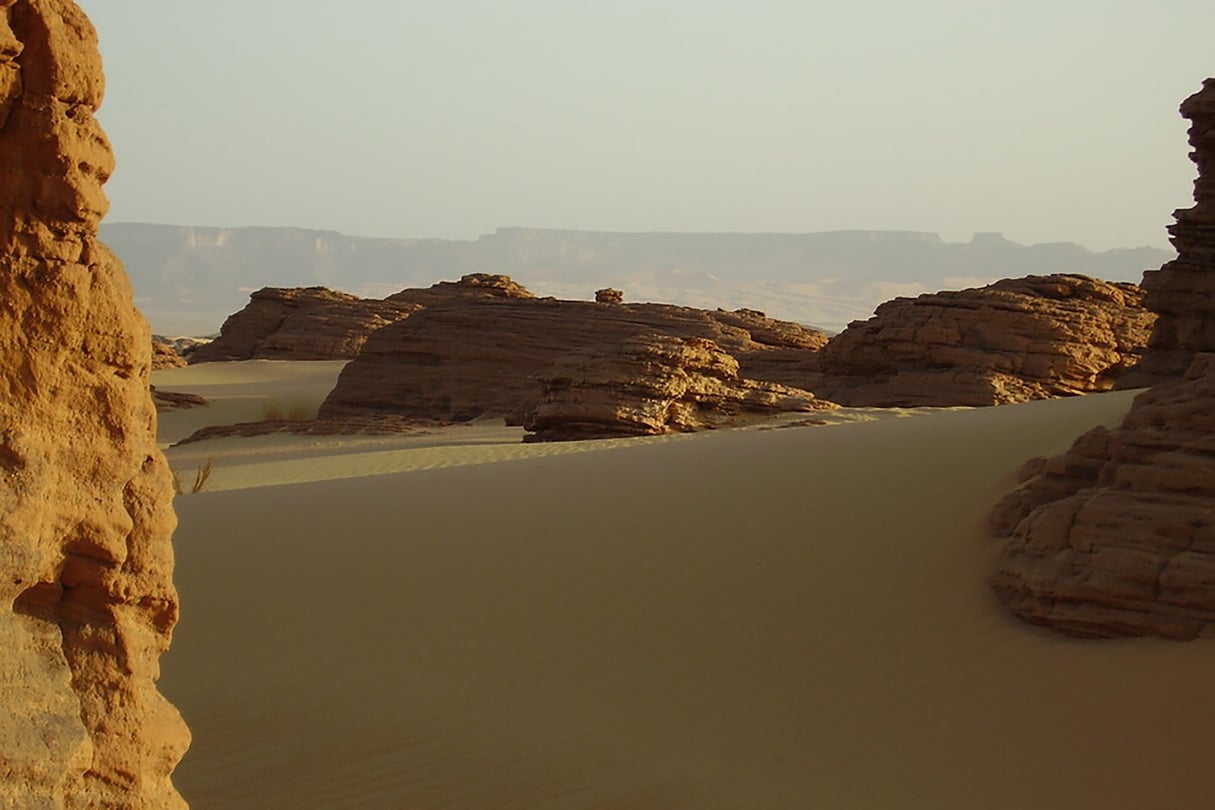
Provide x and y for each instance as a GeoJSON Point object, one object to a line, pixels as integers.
{"type": "Point", "coordinates": [1046, 121]}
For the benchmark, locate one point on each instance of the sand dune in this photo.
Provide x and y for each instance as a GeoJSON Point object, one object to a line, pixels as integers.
{"type": "Point", "coordinates": [747, 619]}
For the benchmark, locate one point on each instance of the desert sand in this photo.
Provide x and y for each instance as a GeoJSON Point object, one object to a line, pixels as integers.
{"type": "Point", "coordinates": [751, 618]}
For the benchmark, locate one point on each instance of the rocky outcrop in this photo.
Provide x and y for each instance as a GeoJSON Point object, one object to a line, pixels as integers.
{"type": "Point", "coordinates": [1018, 339]}
{"type": "Point", "coordinates": [165, 354]}
{"type": "Point", "coordinates": [650, 385]}
{"type": "Point", "coordinates": [304, 323]}
{"type": "Point", "coordinates": [85, 496]}
{"type": "Point", "coordinates": [465, 359]}
{"type": "Point", "coordinates": [1117, 535]}
{"type": "Point", "coordinates": [1183, 290]}
{"type": "Point", "coordinates": [315, 323]}
{"type": "Point", "coordinates": [609, 296]}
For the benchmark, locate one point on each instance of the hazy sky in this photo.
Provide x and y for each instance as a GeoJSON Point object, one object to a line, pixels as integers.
{"type": "Point", "coordinates": [1048, 121]}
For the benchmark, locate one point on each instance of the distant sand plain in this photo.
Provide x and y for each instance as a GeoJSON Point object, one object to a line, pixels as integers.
{"type": "Point", "coordinates": [752, 618]}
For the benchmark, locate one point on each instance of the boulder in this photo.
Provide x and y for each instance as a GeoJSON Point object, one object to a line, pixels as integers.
{"type": "Point", "coordinates": [649, 385]}
{"type": "Point", "coordinates": [1015, 340]}
{"type": "Point", "coordinates": [87, 604]}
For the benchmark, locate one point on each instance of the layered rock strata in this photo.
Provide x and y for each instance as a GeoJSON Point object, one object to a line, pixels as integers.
{"type": "Point", "coordinates": [1183, 290]}
{"type": "Point", "coordinates": [650, 385]}
{"type": "Point", "coordinates": [1117, 535]}
{"type": "Point", "coordinates": [1018, 339]}
{"type": "Point", "coordinates": [315, 323]}
{"type": "Point", "coordinates": [85, 496]}
{"type": "Point", "coordinates": [461, 360]}
{"type": "Point", "coordinates": [301, 323]}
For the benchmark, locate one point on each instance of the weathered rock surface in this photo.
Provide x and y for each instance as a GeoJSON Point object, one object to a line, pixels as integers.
{"type": "Point", "coordinates": [304, 323]}
{"type": "Point", "coordinates": [650, 385]}
{"type": "Point", "coordinates": [1117, 535]}
{"type": "Point", "coordinates": [464, 359]}
{"type": "Point", "coordinates": [315, 323]}
{"type": "Point", "coordinates": [165, 354]}
{"type": "Point", "coordinates": [1183, 290]}
{"type": "Point", "coordinates": [1018, 339]}
{"type": "Point", "coordinates": [85, 496]}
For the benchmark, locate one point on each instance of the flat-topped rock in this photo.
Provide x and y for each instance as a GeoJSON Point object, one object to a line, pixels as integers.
{"type": "Point", "coordinates": [1015, 340]}
{"type": "Point", "coordinates": [470, 358]}
{"type": "Point", "coordinates": [301, 323]}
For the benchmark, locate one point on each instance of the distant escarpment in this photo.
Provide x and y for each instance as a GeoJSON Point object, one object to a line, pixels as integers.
{"type": "Point", "coordinates": [1018, 339]}
{"type": "Point", "coordinates": [649, 385]}
{"type": "Point", "coordinates": [464, 359]}
{"type": "Point", "coordinates": [87, 604]}
{"type": "Point", "coordinates": [1183, 290]}
{"type": "Point", "coordinates": [1116, 536]}
{"type": "Point", "coordinates": [315, 323]}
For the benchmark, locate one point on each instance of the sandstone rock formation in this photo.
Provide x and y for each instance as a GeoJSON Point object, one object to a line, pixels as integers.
{"type": "Point", "coordinates": [85, 496]}
{"type": "Point", "coordinates": [303, 323]}
{"type": "Point", "coordinates": [464, 359]}
{"type": "Point", "coordinates": [315, 323]}
{"type": "Point", "coordinates": [1183, 290]}
{"type": "Point", "coordinates": [1117, 535]}
{"type": "Point", "coordinates": [165, 354]}
{"type": "Point", "coordinates": [649, 385]}
{"type": "Point", "coordinates": [1015, 340]}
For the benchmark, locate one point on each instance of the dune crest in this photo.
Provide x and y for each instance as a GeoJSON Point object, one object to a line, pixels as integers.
{"type": "Point", "coordinates": [85, 497]}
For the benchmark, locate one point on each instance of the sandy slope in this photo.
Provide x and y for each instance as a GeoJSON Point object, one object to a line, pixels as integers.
{"type": "Point", "coordinates": [753, 619]}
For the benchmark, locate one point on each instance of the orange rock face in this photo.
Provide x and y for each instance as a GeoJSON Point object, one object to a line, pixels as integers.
{"type": "Point", "coordinates": [85, 496]}
{"type": "Point", "coordinates": [1015, 340]}
{"type": "Point", "coordinates": [649, 385]}
{"type": "Point", "coordinates": [1183, 291]}
{"type": "Point", "coordinates": [1117, 536]}
{"type": "Point", "coordinates": [467, 358]}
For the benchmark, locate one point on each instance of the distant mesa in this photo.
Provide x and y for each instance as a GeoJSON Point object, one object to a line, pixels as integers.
{"type": "Point", "coordinates": [1116, 537]}
{"type": "Point", "coordinates": [1016, 340]}
{"type": "Point", "coordinates": [188, 279]}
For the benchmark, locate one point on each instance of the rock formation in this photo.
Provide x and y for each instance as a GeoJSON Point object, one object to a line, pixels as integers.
{"type": "Point", "coordinates": [315, 323]}
{"type": "Point", "coordinates": [464, 359]}
{"type": "Point", "coordinates": [609, 296]}
{"type": "Point", "coordinates": [649, 385]}
{"type": "Point", "coordinates": [1015, 340]}
{"type": "Point", "coordinates": [1183, 290]}
{"type": "Point", "coordinates": [303, 323]}
{"type": "Point", "coordinates": [1117, 535]}
{"type": "Point", "coordinates": [85, 496]}
{"type": "Point", "coordinates": [165, 354]}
